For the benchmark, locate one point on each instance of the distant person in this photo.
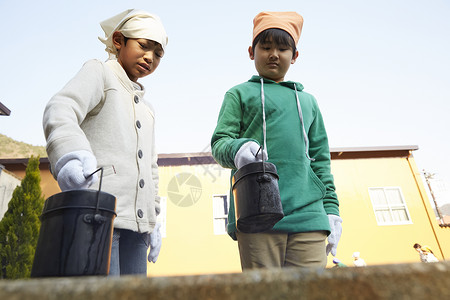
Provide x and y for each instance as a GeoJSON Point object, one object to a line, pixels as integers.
{"type": "Point", "coordinates": [338, 264]}
{"type": "Point", "coordinates": [101, 119]}
{"type": "Point", "coordinates": [357, 260]}
{"type": "Point", "coordinates": [425, 253]}
{"type": "Point", "coordinates": [286, 121]}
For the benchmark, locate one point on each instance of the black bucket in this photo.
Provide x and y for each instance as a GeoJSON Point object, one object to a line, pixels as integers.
{"type": "Point", "coordinates": [76, 234]}
{"type": "Point", "coordinates": [257, 197]}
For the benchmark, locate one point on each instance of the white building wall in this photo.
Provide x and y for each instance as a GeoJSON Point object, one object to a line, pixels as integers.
{"type": "Point", "coordinates": [8, 182]}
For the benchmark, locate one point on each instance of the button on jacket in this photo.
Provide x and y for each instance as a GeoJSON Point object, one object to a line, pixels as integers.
{"type": "Point", "coordinates": [99, 110]}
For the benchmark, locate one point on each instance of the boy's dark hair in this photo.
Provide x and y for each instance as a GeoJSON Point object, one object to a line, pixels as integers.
{"type": "Point", "coordinates": [279, 36]}
{"type": "Point", "coordinates": [416, 246]}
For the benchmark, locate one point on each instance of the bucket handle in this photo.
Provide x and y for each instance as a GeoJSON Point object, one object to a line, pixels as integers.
{"type": "Point", "coordinates": [96, 217]}
{"type": "Point", "coordinates": [264, 177]}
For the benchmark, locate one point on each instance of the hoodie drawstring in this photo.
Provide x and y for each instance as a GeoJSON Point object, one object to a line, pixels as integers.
{"type": "Point", "coordinates": [263, 115]}
{"type": "Point", "coordinates": [300, 114]}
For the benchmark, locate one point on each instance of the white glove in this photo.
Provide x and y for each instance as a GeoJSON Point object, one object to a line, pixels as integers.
{"type": "Point", "coordinates": [247, 154]}
{"type": "Point", "coordinates": [73, 168]}
{"type": "Point", "coordinates": [155, 243]}
{"type": "Point", "coordinates": [335, 235]}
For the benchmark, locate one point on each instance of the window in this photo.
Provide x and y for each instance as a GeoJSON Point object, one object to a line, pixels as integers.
{"type": "Point", "coordinates": [220, 213]}
{"type": "Point", "coordinates": [162, 216]}
{"type": "Point", "coordinates": [389, 206]}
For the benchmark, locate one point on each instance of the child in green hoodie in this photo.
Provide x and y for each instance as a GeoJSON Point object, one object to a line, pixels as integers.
{"type": "Point", "coordinates": [277, 115]}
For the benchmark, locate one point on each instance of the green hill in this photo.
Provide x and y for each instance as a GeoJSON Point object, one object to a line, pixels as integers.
{"type": "Point", "coordinates": [10, 148]}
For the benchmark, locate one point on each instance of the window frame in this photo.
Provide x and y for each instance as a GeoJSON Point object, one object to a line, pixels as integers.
{"type": "Point", "coordinates": [216, 230]}
{"type": "Point", "coordinates": [390, 206]}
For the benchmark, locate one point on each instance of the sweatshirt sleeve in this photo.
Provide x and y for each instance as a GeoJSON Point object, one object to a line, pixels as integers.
{"type": "Point", "coordinates": [226, 139]}
{"type": "Point", "coordinates": [66, 110]}
{"type": "Point", "coordinates": [320, 151]}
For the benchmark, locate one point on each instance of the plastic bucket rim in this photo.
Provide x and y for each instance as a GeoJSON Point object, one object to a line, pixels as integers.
{"type": "Point", "coordinates": [54, 202]}
{"type": "Point", "coordinates": [45, 213]}
{"type": "Point", "coordinates": [241, 176]}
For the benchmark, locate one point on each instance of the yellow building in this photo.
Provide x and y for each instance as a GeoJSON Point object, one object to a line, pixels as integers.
{"type": "Point", "coordinates": [383, 203]}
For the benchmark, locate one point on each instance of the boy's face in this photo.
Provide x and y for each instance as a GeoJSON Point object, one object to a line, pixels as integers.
{"type": "Point", "coordinates": [272, 61]}
{"type": "Point", "coordinates": [138, 57]}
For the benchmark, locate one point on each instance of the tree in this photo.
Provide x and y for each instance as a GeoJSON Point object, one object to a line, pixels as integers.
{"type": "Point", "coordinates": [19, 228]}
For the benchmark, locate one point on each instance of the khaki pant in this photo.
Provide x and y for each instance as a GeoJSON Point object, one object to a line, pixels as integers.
{"type": "Point", "coordinates": [276, 250]}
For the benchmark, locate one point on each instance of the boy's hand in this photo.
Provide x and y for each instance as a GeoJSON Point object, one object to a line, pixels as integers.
{"type": "Point", "coordinates": [248, 153]}
{"type": "Point", "coordinates": [155, 243]}
{"type": "Point", "coordinates": [73, 170]}
{"type": "Point", "coordinates": [335, 235]}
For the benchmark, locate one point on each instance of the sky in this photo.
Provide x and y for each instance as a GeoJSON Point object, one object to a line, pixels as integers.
{"type": "Point", "coordinates": [380, 70]}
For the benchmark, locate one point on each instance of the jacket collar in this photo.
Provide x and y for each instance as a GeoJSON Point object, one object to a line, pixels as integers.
{"type": "Point", "coordinates": [123, 77]}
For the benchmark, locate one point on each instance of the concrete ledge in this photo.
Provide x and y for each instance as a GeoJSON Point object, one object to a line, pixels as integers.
{"type": "Point", "coordinates": [406, 281]}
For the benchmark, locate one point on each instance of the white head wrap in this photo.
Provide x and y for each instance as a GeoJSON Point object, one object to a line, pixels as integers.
{"type": "Point", "coordinates": [133, 23]}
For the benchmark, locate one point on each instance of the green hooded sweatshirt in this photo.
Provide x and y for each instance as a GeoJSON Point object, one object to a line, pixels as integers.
{"type": "Point", "coordinates": [296, 142]}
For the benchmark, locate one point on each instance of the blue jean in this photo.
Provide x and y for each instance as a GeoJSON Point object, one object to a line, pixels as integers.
{"type": "Point", "coordinates": [129, 253]}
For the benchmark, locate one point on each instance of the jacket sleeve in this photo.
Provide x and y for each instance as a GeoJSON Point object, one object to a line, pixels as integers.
{"type": "Point", "coordinates": [320, 151]}
{"type": "Point", "coordinates": [226, 139]}
{"type": "Point", "coordinates": [66, 110]}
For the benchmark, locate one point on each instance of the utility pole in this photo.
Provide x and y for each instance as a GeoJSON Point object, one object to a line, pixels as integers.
{"type": "Point", "coordinates": [429, 176]}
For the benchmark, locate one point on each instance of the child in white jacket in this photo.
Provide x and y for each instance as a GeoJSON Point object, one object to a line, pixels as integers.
{"type": "Point", "coordinates": [100, 119]}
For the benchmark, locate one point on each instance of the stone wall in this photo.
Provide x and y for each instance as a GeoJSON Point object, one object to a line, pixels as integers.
{"type": "Point", "coordinates": [396, 282]}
